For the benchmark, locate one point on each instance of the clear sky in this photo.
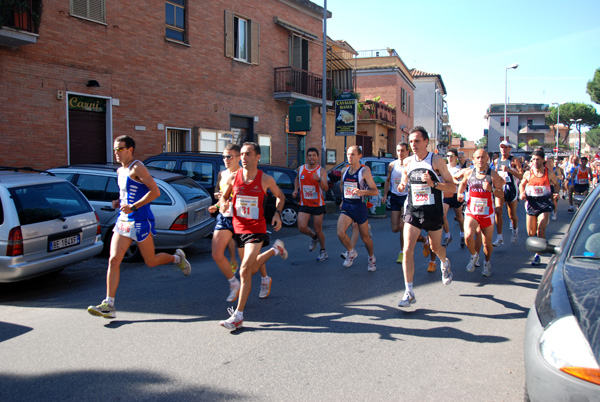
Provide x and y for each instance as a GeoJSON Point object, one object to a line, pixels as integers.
{"type": "Point", "coordinates": [470, 43]}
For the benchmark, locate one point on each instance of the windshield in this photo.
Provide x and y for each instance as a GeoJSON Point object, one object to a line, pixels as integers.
{"type": "Point", "coordinates": [587, 242]}
{"type": "Point", "coordinates": [189, 190]}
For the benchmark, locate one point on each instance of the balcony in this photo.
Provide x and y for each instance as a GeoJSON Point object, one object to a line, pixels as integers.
{"type": "Point", "coordinates": [19, 22]}
{"type": "Point", "coordinates": [291, 84]}
{"type": "Point", "coordinates": [378, 111]}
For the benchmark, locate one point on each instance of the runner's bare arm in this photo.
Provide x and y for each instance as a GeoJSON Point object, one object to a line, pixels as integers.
{"type": "Point", "coordinates": [368, 177]}
{"type": "Point", "coordinates": [386, 186]}
{"type": "Point", "coordinates": [323, 180]}
{"type": "Point", "coordinates": [524, 182]}
{"type": "Point", "coordinates": [296, 183]}
{"type": "Point", "coordinates": [226, 194]}
{"type": "Point", "coordinates": [462, 187]}
{"type": "Point", "coordinates": [269, 184]}
{"type": "Point", "coordinates": [440, 166]}
{"type": "Point", "coordinates": [498, 183]}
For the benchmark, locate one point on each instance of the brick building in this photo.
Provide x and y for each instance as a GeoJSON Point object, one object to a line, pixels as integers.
{"type": "Point", "coordinates": [175, 75]}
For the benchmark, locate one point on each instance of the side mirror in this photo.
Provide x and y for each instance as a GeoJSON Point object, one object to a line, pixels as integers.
{"type": "Point", "coordinates": [540, 246]}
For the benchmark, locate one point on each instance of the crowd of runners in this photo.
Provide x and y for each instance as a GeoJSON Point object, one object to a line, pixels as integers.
{"type": "Point", "coordinates": [421, 188]}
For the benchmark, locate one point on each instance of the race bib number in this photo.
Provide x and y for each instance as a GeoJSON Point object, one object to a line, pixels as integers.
{"type": "Point", "coordinates": [479, 206]}
{"type": "Point", "coordinates": [536, 191]}
{"type": "Point", "coordinates": [421, 194]}
{"type": "Point", "coordinates": [349, 188]}
{"type": "Point", "coordinates": [582, 181]}
{"type": "Point", "coordinates": [505, 176]}
{"type": "Point", "coordinates": [310, 192]}
{"type": "Point", "coordinates": [126, 228]}
{"type": "Point", "coordinates": [246, 207]}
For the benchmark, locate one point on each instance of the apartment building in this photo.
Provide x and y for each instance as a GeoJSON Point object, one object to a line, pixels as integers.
{"type": "Point", "coordinates": [524, 122]}
{"type": "Point", "coordinates": [431, 110]}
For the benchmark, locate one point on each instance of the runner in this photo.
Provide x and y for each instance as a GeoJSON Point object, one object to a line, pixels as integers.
{"type": "Point", "coordinates": [511, 171]}
{"type": "Point", "coordinates": [248, 189]}
{"type": "Point", "coordinates": [312, 183]}
{"type": "Point", "coordinates": [452, 202]}
{"type": "Point", "coordinates": [394, 177]}
{"type": "Point", "coordinates": [559, 174]}
{"type": "Point", "coordinates": [357, 182]}
{"type": "Point", "coordinates": [582, 176]}
{"type": "Point", "coordinates": [424, 209]}
{"type": "Point", "coordinates": [538, 187]}
{"type": "Point", "coordinates": [482, 184]}
{"type": "Point", "coordinates": [137, 189]}
{"type": "Point", "coordinates": [570, 171]}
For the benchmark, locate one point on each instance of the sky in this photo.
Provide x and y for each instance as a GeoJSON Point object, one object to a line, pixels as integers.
{"type": "Point", "coordinates": [470, 43]}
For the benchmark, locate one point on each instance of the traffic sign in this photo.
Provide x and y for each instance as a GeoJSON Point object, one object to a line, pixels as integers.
{"type": "Point", "coordinates": [555, 149]}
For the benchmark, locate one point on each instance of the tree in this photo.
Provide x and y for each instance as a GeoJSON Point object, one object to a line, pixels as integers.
{"type": "Point", "coordinates": [587, 113]}
{"type": "Point", "coordinates": [593, 87]}
{"type": "Point", "coordinates": [533, 143]}
{"type": "Point", "coordinates": [458, 135]}
{"type": "Point", "coordinates": [481, 143]}
{"type": "Point", "coordinates": [592, 137]}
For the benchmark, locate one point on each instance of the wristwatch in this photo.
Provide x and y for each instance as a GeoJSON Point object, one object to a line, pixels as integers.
{"type": "Point", "coordinates": [435, 183]}
{"type": "Point", "coordinates": [133, 208]}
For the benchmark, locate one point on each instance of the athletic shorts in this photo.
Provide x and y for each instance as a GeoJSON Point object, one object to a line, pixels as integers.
{"type": "Point", "coordinates": [581, 188]}
{"type": "Point", "coordinates": [247, 238]}
{"type": "Point", "coordinates": [312, 210]}
{"type": "Point", "coordinates": [453, 202]}
{"type": "Point", "coordinates": [397, 202]}
{"type": "Point", "coordinates": [483, 220]}
{"type": "Point", "coordinates": [535, 206]}
{"type": "Point", "coordinates": [135, 230]}
{"type": "Point", "coordinates": [430, 225]}
{"type": "Point", "coordinates": [510, 193]}
{"type": "Point", "coordinates": [224, 223]}
{"type": "Point", "coordinates": [356, 211]}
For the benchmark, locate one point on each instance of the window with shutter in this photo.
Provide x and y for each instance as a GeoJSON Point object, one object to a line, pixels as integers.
{"type": "Point", "coordinates": [94, 10]}
{"type": "Point", "coordinates": [242, 38]}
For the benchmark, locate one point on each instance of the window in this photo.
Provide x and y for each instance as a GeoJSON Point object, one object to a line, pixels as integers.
{"type": "Point", "coordinates": [176, 140]}
{"type": "Point", "coordinates": [201, 172]}
{"type": "Point", "coordinates": [175, 19]}
{"type": "Point", "coordinates": [299, 53]}
{"type": "Point", "coordinates": [502, 121]}
{"type": "Point", "coordinates": [242, 37]}
{"type": "Point", "coordinates": [264, 141]}
{"type": "Point", "coordinates": [213, 141]}
{"type": "Point", "coordinates": [403, 100]}
{"type": "Point", "coordinates": [94, 10]}
{"type": "Point", "coordinates": [282, 179]}
{"type": "Point", "coordinates": [408, 105]}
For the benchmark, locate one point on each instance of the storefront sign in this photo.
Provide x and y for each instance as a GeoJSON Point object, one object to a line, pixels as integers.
{"type": "Point", "coordinates": [77, 102]}
{"type": "Point", "coordinates": [345, 115]}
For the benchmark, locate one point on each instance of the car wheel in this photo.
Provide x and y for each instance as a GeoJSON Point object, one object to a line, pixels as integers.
{"type": "Point", "coordinates": [289, 215]}
{"type": "Point", "coordinates": [131, 255]}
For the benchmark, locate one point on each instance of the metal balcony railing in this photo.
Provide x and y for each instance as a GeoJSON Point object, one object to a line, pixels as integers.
{"type": "Point", "coordinates": [290, 79]}
{"type": "Point", "coordinates": [19, 17]}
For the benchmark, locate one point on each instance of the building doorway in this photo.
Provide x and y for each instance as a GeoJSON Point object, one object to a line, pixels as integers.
{"type": "Point", "coordinates": [87, 130]}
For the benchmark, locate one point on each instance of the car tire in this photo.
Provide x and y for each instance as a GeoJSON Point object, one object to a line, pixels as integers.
{"type": "Point", "coordinates": [133, 253]}
{"type": "Point", "coordinates": [289, 215]}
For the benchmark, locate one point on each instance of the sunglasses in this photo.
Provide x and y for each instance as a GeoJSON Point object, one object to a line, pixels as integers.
{"type": "Point", "coordinates": [119, 149]}
{"type": "Point", "coordinates": [229, 156]}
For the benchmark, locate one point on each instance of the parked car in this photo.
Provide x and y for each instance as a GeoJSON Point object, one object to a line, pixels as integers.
{"type": "Point", "coordinates": [562, 336]}
{"type": "Point", "coordinates": [181, 211]}
{"type": "Point", "coordinates": [45, 225]}
{"type": "Point", "coordinates": [204, 168]}
{"type": "Point", "coordinates": [377, 164]}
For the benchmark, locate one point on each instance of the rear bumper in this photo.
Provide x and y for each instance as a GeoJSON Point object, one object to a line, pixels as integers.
{"type": "Point", "coordinates": [170, 239]}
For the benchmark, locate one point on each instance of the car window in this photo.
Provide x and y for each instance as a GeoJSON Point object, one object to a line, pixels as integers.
{"type": "Point", "coordinates": [1, 212]}
{"type": "Point", "coordinates": [202, 172]}
{"type": "Point", "coordinates": [93, 187]}
{"type": "Point", "coordinates": [190, 190]}
{"type": "Point", "coordinates": [282, 179]}
{"type": "Point", "coordinates": [378, 168]}
{"type": "Point", "coordinates": [112, 189]}
{"type": "Point", "coordinates": [587, 242]}
{"type": "Point", "coordinates": [44, 202]}
{"type": "Point", "coordinates": [162, 164]}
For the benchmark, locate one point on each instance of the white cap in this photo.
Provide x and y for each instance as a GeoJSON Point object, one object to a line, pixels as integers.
{"type": "Point", "coordinates": [506, 144]}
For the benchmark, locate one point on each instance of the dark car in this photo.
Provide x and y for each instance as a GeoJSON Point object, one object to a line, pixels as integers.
{"type": "Point", "coordinates": [204, 168]}
{"type": "Point", "coordinates": [562, 336]}
{"type": "Point", "coordinates": [378, 166]}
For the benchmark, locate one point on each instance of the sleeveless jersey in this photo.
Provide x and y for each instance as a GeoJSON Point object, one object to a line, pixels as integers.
{"type": "Point", "coordinates": [481, 202]}
{"type": "Point", "coordinates": [248, 205]}
{"type": "Point", "coordinates": [538, 194]}
{"type": "Point", "coordinates": [311, 194]}
{"type": "Point", "coordinates": [131, 191]}
{"type": "Point", "coordinates": [396, 178]}
{"type": "Point", "coordinates": [423, 201]}
{"type": "Point", "coordinates": [582, 176]}
{"type": "Point", "coordinates": [508, 177]}
{"type": "Point", "coordinates": [350, 182]}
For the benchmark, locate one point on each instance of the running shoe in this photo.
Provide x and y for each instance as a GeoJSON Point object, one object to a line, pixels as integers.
{"type": "Point", "coordinates": [184, 265]}
{"type": "Point", "coordinates": [322, 256]}
{"type": "Point", "coordinates": [426, 249]}
{"type": "Point", "coordinates": [408, 299]}
{"type": "Point", "coordinates": [234, 291]}
{"type": "Point", "coordinates": [371, 267]}
{"type": "Point", "coordinates": [446, 240]}
{"type": "Point", "coordinates": [554, 216]}
{"type": "Point", "coordinates": [510, 225]}
{"type": "Point", "coordinates": [487, 268]}
{"type": "Point", "coordinates": [282, 251]}
{"type": "Point", "coordinates": [232, 323]}
{"type": "Point", "coordinates": [472, 263]}
{"type": "Point", "coordinates": [499, 242]}
{"type": "Point", "coordinates": [350, 256]}
{"type": "Point", "coordinates": [265, 288]}
{"type": "Point", "coordinates": [571, 209]}
{"type": "Point", "coordinates": [234, 266]}
{"type": "Point", "coordinates": [446, 273]}
{"type": "Point", "coordinates": [313, 244]}
{"type": "Point", "coordinates": [431, 267]}
{"type": "Point", "coordinates": [536, 260]}
{"type": "Point", "coordinates": [515, 236]}
{"type": "Point", "coordinates": [462, 242]}
{"type": "Point", "coordinates": [103, 310]}
{"type": "Point", "coordinates": [400, 258]}
{"type": "Point", "coordinates": [344, 255]}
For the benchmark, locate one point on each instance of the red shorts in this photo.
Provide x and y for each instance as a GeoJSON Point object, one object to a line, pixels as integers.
{"type": "Point", "coordinates": [484, 221]}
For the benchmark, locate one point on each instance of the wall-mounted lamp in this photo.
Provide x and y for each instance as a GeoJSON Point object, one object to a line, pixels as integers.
{"type": "Point", "coordinates": [382, 135]}
{"type": "Point", "coordinates": [92, 84]}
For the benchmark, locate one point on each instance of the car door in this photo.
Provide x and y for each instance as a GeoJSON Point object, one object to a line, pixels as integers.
{"type": "Point", "coordinates": [100, 190]}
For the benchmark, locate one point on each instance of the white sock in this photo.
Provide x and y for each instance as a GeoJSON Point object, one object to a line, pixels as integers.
{"type": "Point", "coordinates": [177, 259]}
{"type": "Point", "coordinates": [264, 279]}
{"type": "Point", "coordinates": [239, 314]}
{"type": "Point", "coordinates": [446, 235]}
{"type": "Point", "coordinates": [500, 236]}
{"type": "Point", "coordinates": [474, 256]}
{"type": "Point", "coordinates": [409, 286]}
{"type": "Point", "coordinates": [232, 280]}
{"type": "Point", "coordinates": [445, 263]}
{"type": "Point", "coordinates": [277, 252]}
{"type": "Point", "coordinates": [110, 301]}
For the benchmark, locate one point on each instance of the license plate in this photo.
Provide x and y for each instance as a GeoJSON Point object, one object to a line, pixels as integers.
{"type": "Point", "coordinates": [199, 214]}
{"type": "Point", "coordinates": [64, 242]}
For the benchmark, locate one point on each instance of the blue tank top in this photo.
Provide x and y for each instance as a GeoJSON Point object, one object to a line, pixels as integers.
{"type": "Point", "coordinates": [349, 183]}
{"type": "Point", "coordinates": [131, 191]}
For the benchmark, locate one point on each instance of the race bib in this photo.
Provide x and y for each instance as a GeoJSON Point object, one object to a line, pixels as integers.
{"type": "Point", "coordinates": [310, 192]}
{"type": "Point", "coordinates": [126, 229]}
{"type": "Point", "coordinates": [505, 176]}
{"type": "Point", "coordinates": [246, 207]}
{"type": "Point", "coordinates": [228, 213]}
{"type": "Point", "coordinates": [536, 191]}
{"type": "Point", "coordinates": [582, 181]}
{"type": "Point", "coordinates": [349, 187]}
{"type": "Point", "coordinates": [479, 206]}
{"type": "Point", "coordinates": [421, 194]}
{"type": "Point", "coordinates": [397, 182]}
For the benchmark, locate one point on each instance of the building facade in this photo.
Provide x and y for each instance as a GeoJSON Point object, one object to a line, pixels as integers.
{"type": "Point", "coordinates": [430, 108]}
{"type": "Point", "coordinates": [524, 122]}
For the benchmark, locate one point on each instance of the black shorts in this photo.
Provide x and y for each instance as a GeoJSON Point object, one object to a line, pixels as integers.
{"type": "Point", "coordinates": [397, 202]}
{"type": "Point", "coordinates": [535, 206]}
{"type": "Point", "coordinates": [430, 225]}
{"type": "Point", "coordinates": [581, 188]}
{"type": "Point", "coordinates": [510, 193]}
{"type": "Point", "coordinates": [453, 202]}
{"type": "Point", "coordinates": [312, 210]}
{"type": "Point", "coordinates": [246, 238]}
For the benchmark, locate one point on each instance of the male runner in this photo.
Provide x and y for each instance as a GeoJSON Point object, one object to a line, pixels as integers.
{"type": "Point", "coordinates": [452, 202]}
{"type": "Point", "coordinates": [559, 175]}
{"type": "Point", "coordinates": [510, 170]}
{"type": "Point", "coordinates": [248, 189]}
{"type": "Point", "coordinates": [137, 189]}
{"type": "Point", "coordinates": [582, 176]}
{"type": "Point", "coordinates": [424, 210]}
{"type": "Point", "coordinates": [538, 187]}
{"type": "Point", "coordinates": [395, 172]}
{"type": "Point", "coordinates": [570, 172]}
{"type": "Point", "coordinates": [311, 183]}
{"type": "Point", "coordinates": [482, 183]}
{"type": "Point", "coordinates": [357, 182]}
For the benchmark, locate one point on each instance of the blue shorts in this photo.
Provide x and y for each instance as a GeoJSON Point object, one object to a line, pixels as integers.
{"type": "Point", "coordinates": [397, 202]}
{"type": "Point", "coordinates": [224, 223]}
{"type": "Point", "coordinates": [136, 230]}
{"type": "Point", "coordinates": [357, 211]}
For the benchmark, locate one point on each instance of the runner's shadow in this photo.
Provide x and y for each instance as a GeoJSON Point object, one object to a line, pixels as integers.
{"type": "Point", "coordinates": [114, 324]}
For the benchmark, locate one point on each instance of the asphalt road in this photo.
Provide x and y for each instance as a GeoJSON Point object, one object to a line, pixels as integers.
{"type": "Point", "coordinates": [325, 332]}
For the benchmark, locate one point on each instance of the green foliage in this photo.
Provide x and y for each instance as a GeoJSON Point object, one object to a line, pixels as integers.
{"type": "Point", "coordinates": [521, 145]}
{"type": "Point", "coordinates": [593, 87]}
{"type": "Point", "coordinates": [481, 143]}
{"type": "Point", "coordinates": [592, 137]}
{"type": "Point", "coordinates": [587, 113]}
{"type": "Point", "coordinates": [458, 135]}
{"type": "Point", "coordinates": [533, 143]}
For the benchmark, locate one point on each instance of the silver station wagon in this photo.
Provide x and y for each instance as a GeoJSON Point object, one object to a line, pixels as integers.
{"type": "Point", "coordinates": [181, 212]}
{"type": "Point", "coordinates": [46, 224]}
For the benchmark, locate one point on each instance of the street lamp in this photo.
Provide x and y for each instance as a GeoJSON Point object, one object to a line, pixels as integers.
{"type": "Point", "coordinates": [578, 127]}
{"type": "Point", "coordinates": [557, 123]}
{"type": "Point", "coordinates": [512, 66]}
{"type": "Point", "coordinates": [435, 120]}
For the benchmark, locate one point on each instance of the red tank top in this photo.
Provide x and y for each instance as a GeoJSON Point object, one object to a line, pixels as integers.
{"type": "Point", "coordinates": [248, 205]}
{"type": "Point", "coordinates": [538, 186]}
{"type": "Point", "coordinates": [311, 194]}
{"type": "Point", "coordinates": [481, 202]}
